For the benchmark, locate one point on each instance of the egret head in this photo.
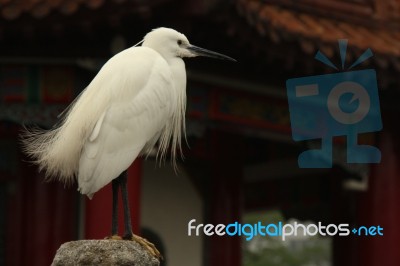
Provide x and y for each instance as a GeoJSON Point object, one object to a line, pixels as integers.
{"type": "Point", "coordinates": [171, 44]}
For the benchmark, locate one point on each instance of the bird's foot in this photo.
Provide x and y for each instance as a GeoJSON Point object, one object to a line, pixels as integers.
{"type": "Point", "coordinates": [114, 237]}
{"type": "Point", "coordinates": [146, 244]}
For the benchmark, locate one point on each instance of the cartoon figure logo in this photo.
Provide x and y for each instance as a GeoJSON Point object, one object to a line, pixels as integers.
{"type": "Point", "coordinates": [339, 104]}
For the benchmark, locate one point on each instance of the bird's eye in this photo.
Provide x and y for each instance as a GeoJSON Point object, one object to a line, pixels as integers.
{"type": "Point", "coordinates": [179, 42]}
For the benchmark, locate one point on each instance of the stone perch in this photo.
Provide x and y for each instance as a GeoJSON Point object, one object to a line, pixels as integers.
{"type": "Point", "coordinates": [103, 252]}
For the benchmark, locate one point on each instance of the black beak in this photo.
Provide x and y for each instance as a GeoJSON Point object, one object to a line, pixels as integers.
{"type": "Point", "coordinates": [204, 52]}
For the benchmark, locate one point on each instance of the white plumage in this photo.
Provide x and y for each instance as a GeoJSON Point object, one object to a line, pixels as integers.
{"type": "Point", "coordinates": [137, 98]}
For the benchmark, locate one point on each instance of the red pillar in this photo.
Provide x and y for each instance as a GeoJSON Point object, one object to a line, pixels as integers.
{"type": "Point", "coordinates": [343, 206]}
{"type": "Point", "coordinates": [380, 205]}
{"type": "Point", "coordinates": [98, 210]}
{"type": "Point", "coordinates": [226, 198]}
{"type": "Point", "coordinates": [39, 217]}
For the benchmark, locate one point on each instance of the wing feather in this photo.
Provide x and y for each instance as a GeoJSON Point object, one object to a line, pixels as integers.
{"type": "Point", "coordinates": [96, 130]}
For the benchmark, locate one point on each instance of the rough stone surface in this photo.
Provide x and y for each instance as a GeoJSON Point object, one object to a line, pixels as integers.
{"type": "Point", "coordinates": [103, 252]}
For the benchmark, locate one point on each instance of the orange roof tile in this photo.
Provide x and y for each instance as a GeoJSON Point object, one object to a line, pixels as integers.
{"type": "Point", "coordinates": [322, 32]}
{"type": "Point", "coordinates": [11, 10]}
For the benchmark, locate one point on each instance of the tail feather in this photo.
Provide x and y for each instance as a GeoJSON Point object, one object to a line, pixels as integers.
{"type": "Point", "coordinates": [57, 151]}
{"type": "Point", "coordinates": [51, 153]}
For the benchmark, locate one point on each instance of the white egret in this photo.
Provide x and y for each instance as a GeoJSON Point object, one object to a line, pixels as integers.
{"type": "Point", "coordinates": [137, 98]}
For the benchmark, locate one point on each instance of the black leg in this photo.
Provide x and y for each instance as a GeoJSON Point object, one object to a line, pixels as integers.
{"type": "Point", "coordinates": [127, 214]}
{"type": "Point", "coordinates": [121, 181]}
{"type": "Point", "coordinates": [115, 187]}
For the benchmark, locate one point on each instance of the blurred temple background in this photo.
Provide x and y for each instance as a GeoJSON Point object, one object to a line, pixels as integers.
{"type": "Point", "coordinates": [242, 162]}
